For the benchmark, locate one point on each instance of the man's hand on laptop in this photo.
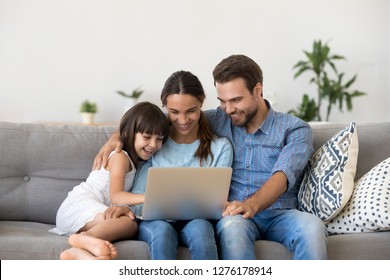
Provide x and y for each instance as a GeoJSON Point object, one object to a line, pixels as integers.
{"type": "Point", "coordinates": [237, 207]}
{"type": "Point", "coordinates": [101, 159]}
{"type": "Point", "coordinates": [115, 211]}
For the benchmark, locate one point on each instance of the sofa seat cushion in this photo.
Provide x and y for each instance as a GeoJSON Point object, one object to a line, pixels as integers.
{"type": "Point", "coordinates": [361, 246]}
{"type": "Point", "coordinates": [33, 241]}
{"type": "Point", "coordinates": [29, 240]}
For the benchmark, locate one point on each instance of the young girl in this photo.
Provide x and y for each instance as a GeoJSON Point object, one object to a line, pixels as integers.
{"type": "Point", "coordinates": [143, 129]}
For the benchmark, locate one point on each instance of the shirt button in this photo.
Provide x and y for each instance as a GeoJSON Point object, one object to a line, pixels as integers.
{"type": "Point", "coordinates": [26, 178]}
{"type": "Point", "coordinates": [247, 167]}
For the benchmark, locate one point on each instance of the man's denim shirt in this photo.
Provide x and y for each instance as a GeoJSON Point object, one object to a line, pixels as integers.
{"type": "Point", "coordinates": [281, 143]}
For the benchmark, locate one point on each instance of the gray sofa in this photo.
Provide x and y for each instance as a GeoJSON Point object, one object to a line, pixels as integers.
{"type": "Point", "coordinates": [40, 164]}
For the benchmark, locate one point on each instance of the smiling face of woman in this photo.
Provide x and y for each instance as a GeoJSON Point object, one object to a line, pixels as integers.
{"type": "Point", "coordinates": [184, 113]}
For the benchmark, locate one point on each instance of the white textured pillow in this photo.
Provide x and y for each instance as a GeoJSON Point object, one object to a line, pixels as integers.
{"type": "Point", "coordinates": [329, 177]}
{"type": "Point", "coordinates": [368, 210]}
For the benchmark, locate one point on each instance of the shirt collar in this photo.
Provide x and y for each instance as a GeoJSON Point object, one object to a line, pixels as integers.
{"type": "Point", "coordinates": [265, 127]}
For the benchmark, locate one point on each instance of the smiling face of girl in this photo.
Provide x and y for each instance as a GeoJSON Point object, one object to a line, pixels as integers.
{"type": "Point", "coordinates": [143, 129]}
{"type": "Point", "coordinates": [147, 144]}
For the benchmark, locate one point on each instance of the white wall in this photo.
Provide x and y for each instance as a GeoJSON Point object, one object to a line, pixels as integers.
{"type": "Point", "coordinates": [55, 54]}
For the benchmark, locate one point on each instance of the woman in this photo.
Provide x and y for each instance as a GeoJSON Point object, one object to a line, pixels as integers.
{"type": "Point", "coordinates": [191, 143]}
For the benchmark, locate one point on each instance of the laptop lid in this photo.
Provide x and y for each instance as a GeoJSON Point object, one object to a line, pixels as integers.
{"type": "Point", "coordinates": [186, 193]}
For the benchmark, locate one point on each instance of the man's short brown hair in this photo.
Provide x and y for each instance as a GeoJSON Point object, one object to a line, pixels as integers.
{"type": "Point", "coordinates": [238, 66]}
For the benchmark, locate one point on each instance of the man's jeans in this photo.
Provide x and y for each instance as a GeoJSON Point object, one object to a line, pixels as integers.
{"type": "Point", "coordinates": [302, 233]}
{"type": "Point", "coordinates": [163, 238]}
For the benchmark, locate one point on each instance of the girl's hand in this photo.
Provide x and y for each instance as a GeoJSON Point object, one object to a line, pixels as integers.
{"type": "Point", "coordinates": [115, 211]}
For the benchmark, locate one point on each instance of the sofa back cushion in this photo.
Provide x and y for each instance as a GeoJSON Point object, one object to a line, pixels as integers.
{"type": "Point", "coordinates": [40, 164]}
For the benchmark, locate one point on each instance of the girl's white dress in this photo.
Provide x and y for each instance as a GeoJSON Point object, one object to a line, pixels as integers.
{"type": "Point", "coordinates": [86, 200]}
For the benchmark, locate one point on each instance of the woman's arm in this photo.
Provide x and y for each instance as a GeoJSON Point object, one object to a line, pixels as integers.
{"type": "Point", "coordinates": [101, 159]}
{"type": "Point", "coordinates": [118, 166]}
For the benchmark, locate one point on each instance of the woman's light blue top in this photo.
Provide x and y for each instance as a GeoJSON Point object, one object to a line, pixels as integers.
{"type": "Point", "coordinates": [173, 154]}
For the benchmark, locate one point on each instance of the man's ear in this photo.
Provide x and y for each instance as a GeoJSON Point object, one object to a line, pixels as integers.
{"type": "Point", "coordinates": [258, 90]}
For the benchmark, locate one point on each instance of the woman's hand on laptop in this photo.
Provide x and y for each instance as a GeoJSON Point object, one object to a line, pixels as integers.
{"type": "Point", "coordinates": [113, 143]}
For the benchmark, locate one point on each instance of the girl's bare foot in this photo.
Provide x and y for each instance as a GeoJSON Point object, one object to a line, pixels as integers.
{"type": "Point", "coordinates": [95, 246]}
{"type": "Point", "coordinates": [80, 254]}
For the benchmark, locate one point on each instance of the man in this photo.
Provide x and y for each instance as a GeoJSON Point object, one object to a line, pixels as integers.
{"type": "Point", "coordinates": [271, 150]}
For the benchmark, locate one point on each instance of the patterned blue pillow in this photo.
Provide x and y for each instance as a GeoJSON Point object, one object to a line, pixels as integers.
{"type": "Point", "coordinates": [368, 210]}
{"type": "Point", "coordinates": [329, 176]}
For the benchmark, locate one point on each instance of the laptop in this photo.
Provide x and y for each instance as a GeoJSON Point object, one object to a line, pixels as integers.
{"type": "Point", "coordinates": [186, 193]}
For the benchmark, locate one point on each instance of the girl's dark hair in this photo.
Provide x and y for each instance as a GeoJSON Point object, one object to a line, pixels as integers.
{"type": "Point", "coordinates": [238, 66]}
{"type": "Point", "coordinates": [184, 82]}
{"type": "Point", "coordinates": [144, 117]}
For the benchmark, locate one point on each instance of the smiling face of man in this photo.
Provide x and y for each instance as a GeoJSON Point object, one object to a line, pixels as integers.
{"type": "Point", "coordinates": [239, 103]}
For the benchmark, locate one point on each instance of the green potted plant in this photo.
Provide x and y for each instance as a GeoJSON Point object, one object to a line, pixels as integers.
{"type": "Point", "coordinates": [333, 90]}
{"type": "Point", "coordinates": [131, 98]}
{"type": "Point", "coordinates": [88, 110]}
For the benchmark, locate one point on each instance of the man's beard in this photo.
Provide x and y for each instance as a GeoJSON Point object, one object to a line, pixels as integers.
{"type": "Point", "coordinates": [247, 117]}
